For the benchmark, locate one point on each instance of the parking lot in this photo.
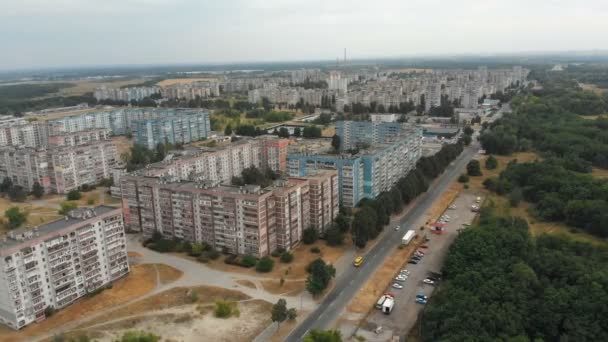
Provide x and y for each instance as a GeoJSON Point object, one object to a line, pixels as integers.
{"type": "Point", "coordinates": [406, 310]}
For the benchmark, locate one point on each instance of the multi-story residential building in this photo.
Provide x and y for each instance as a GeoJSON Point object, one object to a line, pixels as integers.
{"type": "Point", "coordinates": [220, 164]}
{"type": "Point", "coordinates": [125, 94]}
{"type": "Point", "coordinates": [355, 134]}
{"type": "Point", "coordinates": [69, 162]}
{"type": "Point", "coordinates": [122, 121]}
{"type": "Point", "coordinates": [236, 220]}
{"type": "Point", "coordinates": [368, 173]}
{"type": "Point", "coordinates": [324, 202]}
{"type": "Point", "coordinates": [179, 127]}
{"type": "Point", "coordinates": [190, 91]}
{"type": "Point", "coordinates": [33, 134]}
{"type": "Point", "coordinates": [54, 264]}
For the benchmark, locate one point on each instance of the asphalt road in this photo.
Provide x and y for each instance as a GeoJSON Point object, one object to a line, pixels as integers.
{"type": "Point", "coordinates": [352, 279]}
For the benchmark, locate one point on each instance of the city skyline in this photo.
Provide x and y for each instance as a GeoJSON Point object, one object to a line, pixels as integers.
{"type": "Point", "coordinates": [84, 33]}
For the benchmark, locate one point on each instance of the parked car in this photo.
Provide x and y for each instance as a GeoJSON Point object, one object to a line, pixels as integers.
{"type": "Point", "coordinates": [428, 281]}
{"type": "Point", "coordinates": [420, 252]}
{"type": "Point", "coordinates": [405, 271]}
{"type": "Point", "coordinates": [421, 301]}
{"type": "Point", "coordinates": [421, 295]}
{"type": "Point", "coordinates": [397, 286]}
{"type": "Point", "coordinates": [396, 227]}
{"type": "Point", "coordinates": [413, 262]}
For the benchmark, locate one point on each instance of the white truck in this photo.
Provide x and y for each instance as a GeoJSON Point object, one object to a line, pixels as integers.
{"type": "Point", "coordinates": [408, 237]}
{"type": "Point", "coordinates": [388, 305]}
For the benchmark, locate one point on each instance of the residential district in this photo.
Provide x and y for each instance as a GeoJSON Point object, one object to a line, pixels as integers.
{"type": "Point", "coordinates": [382, 122]}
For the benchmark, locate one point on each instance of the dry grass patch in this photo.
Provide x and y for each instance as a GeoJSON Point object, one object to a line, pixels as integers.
{"type": "Point", "coordinates": [174, 297]}
{"type": "Point", "coordinates": [172, 81]}
{"type": "Point", "coordinates": [288, 288]}
{"type": "Point", "coordinates": [140, 281]}
{"type": "Point", "coordinates": [599, 173]}
{"type": "Point", "coordinates": [123, 144]}
{"type": "Point", "coordinates": [168, 274]}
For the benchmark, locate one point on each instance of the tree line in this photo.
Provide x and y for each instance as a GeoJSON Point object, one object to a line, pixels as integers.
{"type": "Point", "coordinates": [374, 214]}
{"type": "Point", "coordinates": [558, 194]}
{"type": "Point", "coordinates": [501, 284]}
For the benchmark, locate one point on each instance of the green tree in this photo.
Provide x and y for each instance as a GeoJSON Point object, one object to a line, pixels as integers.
{"type": "Point", "coordinates": [463, 178]}
{"type": "Point", "coordinates": [74, 195]}
{"type": "Point", "coordinates": [491, 163]}
{"type": "Point", "coordinates": [310, 235]}
{"type": "Point", "coordinates": [286, 257]}
{"type": "Point", "coordinates": [364, 221]}
{"type": "Point", "coordinates": [474, 168]}
{"type": "Point", "coordinates": [15, 216]}
{"type": "Point", "coordinates": [468, 130]}
{"type": "Point", "coordinates": [319, 277]}
{"type": "Point", "coordinates": [264, 265]}
{"type": "Point", "coordinates": [342, 222]}
{"type": "Point", "coordinates": [279, 311]}
{"type": "Point", "coordinates": [297, 132]}
{"type": "Point", "coordinates": [283, 132]}
{"type": "Point", "coordinates": [466, 139]}
{"type": "Point", "coordinates": [334, 236]}
{"type": "Point", "coordinates": [17, 194]}
{"type": "Point", "coordinates": [335, 142]}
{"type": "Point", "coordinates": [292, 313]}
{"type": "Point", "coordinates": [323, 336]}
{"type": "Point", "coordinates": [65, 207]}
{"type": "Point", "coordinates": [37, 190]}
{"type": "Point", "coordinates": [228, 130]}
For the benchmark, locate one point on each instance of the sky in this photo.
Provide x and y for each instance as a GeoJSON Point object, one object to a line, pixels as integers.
{"type": "Point", "coordinates": [64, 33]}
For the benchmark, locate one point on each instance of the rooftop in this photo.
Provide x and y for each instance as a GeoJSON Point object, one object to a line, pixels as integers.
{"type": "Point", "coordinates": [75, 216]}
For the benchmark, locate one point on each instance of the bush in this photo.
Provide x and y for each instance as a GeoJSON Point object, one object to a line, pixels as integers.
{"type": "Point", "coordinates": [264, 265]}
{"type": "Point", "coordinates": [491, 163]}
{"type": "Point", "coordinates": [213, 254]}
{"type": "Point", "coordinates": [231, 260]}
{"type": "Point", "coordinates": [66, 206]}
{"type": "Point", "coordinates": [286, 257]}
{"type": "Point", "coordinates": [315, 250]}
{"type": "Point", "coordinates": [463, 178]}
{"type": "Point", "coordinates": [310, 235]}
{"type": "Point", "coordinates": [474, 168]}
{"type": "Point", "coordinates": [276, 253]}
{"type": "Point", "coordinates": [224, 309]}
{"type": "Point", "coordinates": [334, 236]}
{"type": "Point", "coordinates": [91, 201]}
{"type": "Point", "coordinates": [248, 261]}
{"type": "Point", "coordinates": [74, 195]}
{"type": "Point", "coordinates": [203, 258]}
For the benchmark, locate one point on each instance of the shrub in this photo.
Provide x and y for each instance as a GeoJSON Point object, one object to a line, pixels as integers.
{"type": "Point", "coordinates": [91, 201]}
{"type": "Point", "coordinates": [315, 250]}
{"type": "Point", "coordinates": [203, 258]}
{"type": "Point", "coordinates": [464, 178]}
{"type": "Point", "coordinates": [74, 195]}
{"type": "Point", "coordinates": [276, 254]}
{"type": "Point", "coordinates": [224, 309]}
{"type": "Point", "coordinates": [264, 265]}
{"type": "Point", "coordinates": [213, 254]}
{"type": "Point", "coordinates": [66, 206]}
{"type": "Point", "coordinates": [231, 260]}
{"type": "Point", "coordinates": [286, 257]}
{"type": "Point", "coordinates": [248, 261]}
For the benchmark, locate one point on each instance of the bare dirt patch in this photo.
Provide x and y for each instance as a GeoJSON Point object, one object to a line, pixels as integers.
{"type": "Point", "coordinates": [599, 173]}
{"type": "Point", "coordinates": [134, 254]}
{"type": "Point", "coordinates": [123, 144]}
{"type": "Point", "coordinates": [141, 280]}
{"type": "Point", "coordinates": [168, 274]}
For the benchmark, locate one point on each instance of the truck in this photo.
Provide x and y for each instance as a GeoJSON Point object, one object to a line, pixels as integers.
{"type": "Point", "coordinates": [382, 299]}
{"type": "Point", "coordinates": [408, 237]}
{"type": "Point", "coordinates": [388, 305]}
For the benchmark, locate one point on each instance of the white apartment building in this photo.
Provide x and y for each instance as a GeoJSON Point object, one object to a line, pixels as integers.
{"type": "Point", "coordinates": [53, 265]}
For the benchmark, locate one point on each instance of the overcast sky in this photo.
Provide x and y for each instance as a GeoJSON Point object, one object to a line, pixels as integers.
{"type": "Point", "coordinates": [49, 33]}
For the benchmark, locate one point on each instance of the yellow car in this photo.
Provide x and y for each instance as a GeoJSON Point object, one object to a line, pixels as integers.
{"type": "Point", "coordinates": [358, 261]}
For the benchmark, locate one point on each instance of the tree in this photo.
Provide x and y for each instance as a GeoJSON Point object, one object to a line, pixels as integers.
{"type": "Point", "coordinates": [323, 336]}
{"type": "Point", "coordinates": [37, 190]}
{"type": "Point", "coordinates": [335, 142]}
{"type": "Point", "coordinates": [6, 185]}
{"type": "Point", "coordinates": [16, 217]}
{"type": "Point", "coordinates": [279, 311]}
{"type": "Point", "coordinates": [292, 313]}
{"type": "Point", "coordinates": [286, 257]}
{"type": "Point", "coordinates": [283, 133]}
{"type": "Point", "coordinates": [468, 130]}
{"type": "Point", "coordinates": [17, 194]}
{"type": "Point", "coordinates": [334, 236]}
{"type": "Point", "coordinates": [515, 197]}
{"type": "Point", "coordinates": [463, 178]}
{"type": "Point", "coordinates": [228, 130]}
{"type": "Point", "coordinates": [364, 220]}
{"type": "Point", "coordinates": [74, 195]}
{"type": "Point", "coordinates": [65, 207]}
{"type": "Point", "coordinates": [139, 336]}
{"type": "Point", "coordinates": [311, 132]}
{"type": "Point", "coordinates": [264, 265]}
{"type": "Point", "coordinates": [297, 132]}
{"type": "Point", "coordinates": [310, 235]}
{"type": "Point", "coordinates": [319, 277]}
{"type": "Point", "coordinates": [466, 139]}
{"type": "Point", "coordinates": [342, 222]}
{"type": "Point", "coordinates": [474, 168]}
{"type": "Point", "coordinates": [491, 163]}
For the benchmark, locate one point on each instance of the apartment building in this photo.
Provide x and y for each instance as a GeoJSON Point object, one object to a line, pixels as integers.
{"type": "Point", "coordinates": [53, 265]}
{"type": "Point", "coordinates": [125, 94]}
{"type": "Point", "coordinates": [63, 166]}
{"type": "Point", "coordinates": [367, 173]}
{"type": "Point", "coordinates": [26, 134]}
{"type": "Point", "coordinates": [219, 165]}
{"type": "Point", "coordinates": [354, 134]}
{"type": "Point", "coordinates": [324, 202]}
{"type": "Point", "coordinates": [176, 128]}
{"type": "Point", "coordinates": [235, 220]}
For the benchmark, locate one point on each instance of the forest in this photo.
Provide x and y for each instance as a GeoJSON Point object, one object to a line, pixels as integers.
{"type": "Point", "coordinates": [549, 120]}
{"type": "Point", "coordinates": [500, 284]}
